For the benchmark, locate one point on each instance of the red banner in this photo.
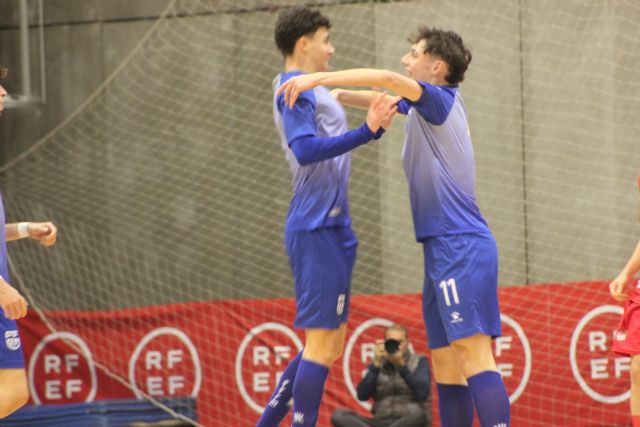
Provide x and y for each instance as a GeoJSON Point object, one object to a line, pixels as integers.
{"type": "Point", "coordinates": [554, 354]}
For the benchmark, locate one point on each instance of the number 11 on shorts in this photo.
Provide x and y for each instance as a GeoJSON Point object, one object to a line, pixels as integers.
{"type": "Point", "coordinates": [445, 285]}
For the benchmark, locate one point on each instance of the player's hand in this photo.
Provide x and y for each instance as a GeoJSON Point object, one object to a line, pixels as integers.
{"type": "Point", "coordinates": [13, 304]}
{"type": "Point", "coordinates": [618, 287]}
{"type": "Point", "coordinates": [45, 232]}
{"type": "Point", "coordinates": [293, 87]}
{"type": "Point", "coordinates": [378, 356]}
{"type": "Point", "coordinates": [382, 108]}
{"type": "Point", "coordinates": [386, 121]}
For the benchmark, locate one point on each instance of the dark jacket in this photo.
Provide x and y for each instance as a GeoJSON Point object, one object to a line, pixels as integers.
{"type": "Point", "coordinates": [398, 392]}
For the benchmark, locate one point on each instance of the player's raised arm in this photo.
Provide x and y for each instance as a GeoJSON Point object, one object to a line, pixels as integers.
{"type": "Point", "coordinates": [618, 287]}
{"type": "Point", "coordinates": [45, 232]}
{"type": "Point", "coordinates": [368, 77]}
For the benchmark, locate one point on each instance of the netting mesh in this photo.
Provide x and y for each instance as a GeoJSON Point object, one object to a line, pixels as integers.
{"type": "Point", "coordinates": [169, 185]}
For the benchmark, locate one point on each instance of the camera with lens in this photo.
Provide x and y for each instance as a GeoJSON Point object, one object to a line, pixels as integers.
{"type": "Point", "coordinates": [391, 346]}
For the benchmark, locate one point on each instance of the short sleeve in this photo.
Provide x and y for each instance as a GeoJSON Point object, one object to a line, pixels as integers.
{"type": "Point", "coordinates": [435, 102]}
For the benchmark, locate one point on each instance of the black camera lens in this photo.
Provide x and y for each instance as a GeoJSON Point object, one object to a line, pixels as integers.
{"type": "Point", "coordinates": [391, 346]}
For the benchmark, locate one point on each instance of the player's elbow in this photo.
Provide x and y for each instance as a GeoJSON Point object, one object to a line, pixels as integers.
{"type": "Point", "coordinates": [303, 159]}
{"type": "Point", "coordinates": [303, 156]}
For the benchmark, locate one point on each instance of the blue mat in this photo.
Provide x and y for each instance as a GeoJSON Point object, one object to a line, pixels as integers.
{"type": "Point", "coordinates": [104, 413]}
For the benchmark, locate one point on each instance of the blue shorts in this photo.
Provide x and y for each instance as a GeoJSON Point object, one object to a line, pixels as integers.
{"type": "Point", "coordinates": [460, 296]}
{"type": "Point", "coordinates": [322, 261]}
{"type": "Point", "coordinates": [11, 346]}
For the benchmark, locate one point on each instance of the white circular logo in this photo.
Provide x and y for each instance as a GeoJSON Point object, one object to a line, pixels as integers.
{"type": "Point", "coordinates": [503, 344]}
{"type": "Point", "coordinates": [597, 340]}
{"type": "Point", "coordinates": [164, 360]}
{"type": "Point", "coordinates": [262, 356]}
{"type": "Point", "coordinates": [61, 371]}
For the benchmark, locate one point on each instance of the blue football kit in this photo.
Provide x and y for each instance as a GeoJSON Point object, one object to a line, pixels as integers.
{"type": "Point", "coordinates": [460, 253]}
{"type": "Point", "coordinates": [319, 242]}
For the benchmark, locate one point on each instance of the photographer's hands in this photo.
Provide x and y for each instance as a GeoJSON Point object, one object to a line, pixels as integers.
{"type": "Point", "coordinates": [397, 358]}
{"type": "Point", "coordinates": [380, 354]}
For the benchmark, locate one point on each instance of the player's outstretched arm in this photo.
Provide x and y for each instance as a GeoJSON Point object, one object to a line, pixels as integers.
{"type": "Point", "coordinates": [618, 287]}
{"type": "Point", "coordinates": [13, 304]}
{"type": "Point", "coordinates": [45, 232]}
{"type": "Point", "coordinates": [353, 98]}
{"type": "Point", "coordinates": [369, 77]}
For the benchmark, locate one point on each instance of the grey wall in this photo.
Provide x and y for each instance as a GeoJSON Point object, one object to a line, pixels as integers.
{"type": "Point", "coordinates": [169, 183]}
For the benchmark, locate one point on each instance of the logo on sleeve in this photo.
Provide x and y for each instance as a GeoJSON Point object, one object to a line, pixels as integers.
{"type": "Point", "coordinates": [12, 339]}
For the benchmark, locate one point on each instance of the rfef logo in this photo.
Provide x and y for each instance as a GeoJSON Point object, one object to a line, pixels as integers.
{"type": "Point", "coordinates": [601, 374]}
{"type": "Point", "coordinates": [512, 353]}
{"type": "Point", "coordinates": [165, 363]}
{"type": "Point", "coordinates": [262, 356]}
{"type": "Point", "coordinates": [61, 370]}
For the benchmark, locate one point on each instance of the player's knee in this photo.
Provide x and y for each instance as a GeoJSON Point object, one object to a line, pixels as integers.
{"type": "Point", "coordinates": [324, 355]}
{"type": "Point", "coordinates": [332, 353]}
{"type": "Point", "coordinates": [473, 356]}
{"type": "Point", "coordinates": [635, 371]}
{"type": "Point", "coordinates": [14, 401]}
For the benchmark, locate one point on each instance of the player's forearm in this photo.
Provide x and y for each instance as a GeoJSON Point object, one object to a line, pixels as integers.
{"type": "Point", "coordinates": [12, 232]}
{"type": "Point", "coordinates": [313, 149]}
{"type": "Point", "coordinates": [401, 85]}
{"type": "Point", "coordinates": [353, 98]}
{"type": "Point", "coordinates": [633, 265]}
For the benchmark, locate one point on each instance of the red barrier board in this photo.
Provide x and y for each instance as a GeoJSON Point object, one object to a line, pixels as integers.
{"type": "Point", "coordinates": [554, 354]}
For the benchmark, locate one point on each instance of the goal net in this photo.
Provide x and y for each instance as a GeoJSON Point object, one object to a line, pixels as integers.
{"type": "Point", "coordinates": [170, 190]}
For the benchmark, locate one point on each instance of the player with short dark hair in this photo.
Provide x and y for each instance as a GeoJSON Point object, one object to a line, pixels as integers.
{"type": "Point", "coordinates": [14, 391]}
{"type": "Point", "coordinates": [460, 302]}
{"type": "Point", "coordinates": [319, 242]}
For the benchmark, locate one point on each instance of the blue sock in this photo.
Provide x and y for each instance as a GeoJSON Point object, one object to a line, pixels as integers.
{"type": "Point", "coordinates": [455, 405]}
{"type": "Point", "coordinates": [278, 404]}
{"type": "Point", "coordinates": [490, 399]}
{"type": "Point", "coordinates": [307, 392]}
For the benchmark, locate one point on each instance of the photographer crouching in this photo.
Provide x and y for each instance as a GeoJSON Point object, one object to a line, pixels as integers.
{"type": "Point", "coordinates": [398, 381]}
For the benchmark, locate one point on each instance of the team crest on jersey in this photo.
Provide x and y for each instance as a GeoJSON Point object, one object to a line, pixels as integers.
{"type": "Point", "coordinates": [335, 211]}
{"type": "Point", "coordinates": [12, 339]}
{"type": "Point", "coordinates": [340, 306]}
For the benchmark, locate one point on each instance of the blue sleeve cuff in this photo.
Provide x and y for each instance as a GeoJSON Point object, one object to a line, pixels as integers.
{"type": "Point", "coordinates": [379, 133]}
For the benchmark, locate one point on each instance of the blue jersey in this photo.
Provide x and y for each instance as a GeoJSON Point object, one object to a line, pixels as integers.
{"type": "Point", "coordinates": [439, 164]}
{"type": "Point", "coordinates": [319, 188]}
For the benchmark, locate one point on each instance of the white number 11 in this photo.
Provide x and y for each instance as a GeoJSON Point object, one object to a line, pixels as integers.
{"type": "Point", "coordinates": [451, 283]}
